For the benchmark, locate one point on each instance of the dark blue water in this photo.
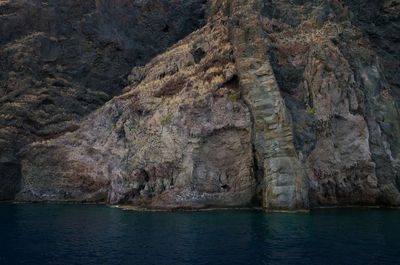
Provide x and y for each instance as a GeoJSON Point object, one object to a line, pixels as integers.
{"type": "Point", "coordinates": [89, 234]}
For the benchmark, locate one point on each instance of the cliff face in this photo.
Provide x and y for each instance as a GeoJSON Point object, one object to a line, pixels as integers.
{"type": "Point", "coordinates": [346, 121]}
{"type": "Point", "coordinates": [275, 103]}
{"type": "Point", "coordinates": [178, 137]}
{"type": "Point", "coordinates": [61, 60]}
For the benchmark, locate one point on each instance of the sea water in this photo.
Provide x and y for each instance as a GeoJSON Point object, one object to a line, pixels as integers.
{"type": "Point", "coordinates": [94, 234]}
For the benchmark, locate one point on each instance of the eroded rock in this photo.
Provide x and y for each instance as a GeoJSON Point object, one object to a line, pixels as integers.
{"type": "Point", "coordinates": [60, 61]}
{"type": "Point", "coordinates": [286, 105]}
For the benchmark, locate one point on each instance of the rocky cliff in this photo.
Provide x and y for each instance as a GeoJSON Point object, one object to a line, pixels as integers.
{"type": "Point", "coordinates": [62, 60]}
{"type": "Point", "coordinates": [285, 105]}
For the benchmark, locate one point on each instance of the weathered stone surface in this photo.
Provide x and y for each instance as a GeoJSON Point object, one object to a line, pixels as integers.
{"type": "Point", "coordinates": [328, 74]}
{"type": "Point", "coordinates": [281, 104]}
{"type": "Point", "coordinates": [61, 60]}
{"type": "Point", "coordinates": [178, 137]}
{"type": "Point", "coordinates": [284, 183]}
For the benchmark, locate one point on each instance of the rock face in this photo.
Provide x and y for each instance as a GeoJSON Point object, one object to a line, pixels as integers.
{"type": "Point", "coordinates": [284, 183]}
{"type": "Point", "coordinates": [346, 122]}
{"type": "Point", "coordinates": [178, 137]}
{"type": "Point", "coordinates": [286, 105]}
{"type": "Point", "coordinates": [60, 61]}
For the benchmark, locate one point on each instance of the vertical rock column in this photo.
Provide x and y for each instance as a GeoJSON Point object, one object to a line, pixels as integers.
{"type": "Point", "coordinates": [285, 184]}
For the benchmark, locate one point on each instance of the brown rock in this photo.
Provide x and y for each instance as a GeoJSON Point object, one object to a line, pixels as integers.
{"type": "Point", "coordinates": [280, 104]}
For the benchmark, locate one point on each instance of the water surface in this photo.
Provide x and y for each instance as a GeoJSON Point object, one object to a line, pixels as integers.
{"type": "Point", "coordinates": [93, 234]}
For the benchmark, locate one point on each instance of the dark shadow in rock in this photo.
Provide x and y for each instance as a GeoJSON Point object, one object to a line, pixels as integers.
{"type": "Point", "coordinates": [10, 180]}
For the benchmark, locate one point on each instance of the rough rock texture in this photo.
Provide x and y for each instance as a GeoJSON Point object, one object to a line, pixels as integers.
{"type": "Point", "coordinates": [380, 21]}
{"type": "Point", "coordinates": [61, 60]}
{"type": "Point", "coordinates": [178, 137]}
{"type": "Point", "coordinates": [284, 183]}
{"type": "Point", "coordinates": [346, 123]}
{"type": "Point", "coordinates": [275, 103]}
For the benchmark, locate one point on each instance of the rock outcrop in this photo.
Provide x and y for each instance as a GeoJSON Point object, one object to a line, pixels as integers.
{"type": "Point", "coordinates": [178, 137]}
{"type": "Point", "coordinates": [346, 122]}
{"type": "Point", "coordinates": [285, 105]}
{"type": "Point", "coordinates": [60, 61]}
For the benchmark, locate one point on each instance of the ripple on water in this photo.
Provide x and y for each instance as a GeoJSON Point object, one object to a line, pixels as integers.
{"type": "Point", "coordinates": [94, 234]}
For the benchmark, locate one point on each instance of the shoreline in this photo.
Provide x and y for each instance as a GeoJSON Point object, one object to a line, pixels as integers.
{"type": "Point", "coordinates": [210, 209]}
